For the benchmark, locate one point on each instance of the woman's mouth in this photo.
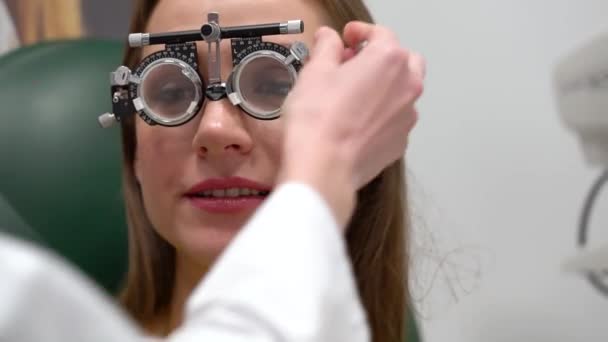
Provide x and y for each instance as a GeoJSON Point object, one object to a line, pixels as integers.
{"type": "Point", "coordinates": [229, 195]}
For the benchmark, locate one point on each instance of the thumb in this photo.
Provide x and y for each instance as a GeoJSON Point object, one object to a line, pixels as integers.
{"type": "Point", "coordinates": [356, 32]}
{"type": "Point", "coordinates": [328, 47]}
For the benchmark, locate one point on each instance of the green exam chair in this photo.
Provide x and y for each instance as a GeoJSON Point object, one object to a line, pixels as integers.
{"type": "Point", "coordinates": [59, 171]}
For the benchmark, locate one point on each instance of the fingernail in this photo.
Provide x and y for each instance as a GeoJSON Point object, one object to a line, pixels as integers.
{"type": "Point", "coordinates": [361, 45]}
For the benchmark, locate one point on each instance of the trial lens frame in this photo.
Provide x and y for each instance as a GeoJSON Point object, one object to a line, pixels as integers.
{"type": "Point", "coordinates": [182, 45]}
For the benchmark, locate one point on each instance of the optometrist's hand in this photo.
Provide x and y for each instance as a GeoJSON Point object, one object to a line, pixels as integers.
{"type": "Point", "coordinates": [349, 115]}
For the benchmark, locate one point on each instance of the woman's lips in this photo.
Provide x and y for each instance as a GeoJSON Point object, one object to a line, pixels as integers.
{"type": "Point", "coordinates": [226, 205]}
{"type": "Point", "coordinates": [227, 195]}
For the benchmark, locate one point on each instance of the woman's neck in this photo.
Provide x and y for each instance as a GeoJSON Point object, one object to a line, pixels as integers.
{"type": "Point", "coordinates": [188, 274]}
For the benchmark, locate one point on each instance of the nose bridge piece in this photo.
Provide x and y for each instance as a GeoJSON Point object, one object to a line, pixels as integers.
{"type": "Point", "coordinates": [216, 92]}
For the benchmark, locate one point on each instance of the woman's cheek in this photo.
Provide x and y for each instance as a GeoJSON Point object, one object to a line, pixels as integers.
{"type": "Point", "coordinates": [268, 136]}
{"type": "Point", "coordinates": [161, 151]}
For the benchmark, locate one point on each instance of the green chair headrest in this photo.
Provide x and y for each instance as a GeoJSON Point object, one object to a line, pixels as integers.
{"type": "Point", "coordinates": [59, 170]}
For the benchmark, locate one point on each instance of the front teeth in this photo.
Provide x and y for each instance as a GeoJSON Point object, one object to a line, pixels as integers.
{"type": "Point", "coordinates": [232, 192]}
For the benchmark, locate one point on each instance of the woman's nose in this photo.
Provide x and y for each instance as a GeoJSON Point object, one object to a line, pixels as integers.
{"type": "Point", "coordinates": [221, 131]}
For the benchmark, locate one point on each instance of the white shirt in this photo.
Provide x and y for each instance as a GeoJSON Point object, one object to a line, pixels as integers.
{"type": "Point", "coordinates": [285, 277]}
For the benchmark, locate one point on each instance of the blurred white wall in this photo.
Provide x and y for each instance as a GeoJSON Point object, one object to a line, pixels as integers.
{"type": "Point", "coordinates": [498, 181]}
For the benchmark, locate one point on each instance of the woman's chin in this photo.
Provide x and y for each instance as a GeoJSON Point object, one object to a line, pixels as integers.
{"type": "Point", "coordinates": [206, 234]}
{"type": "Point", "coordinates": [206, 240]}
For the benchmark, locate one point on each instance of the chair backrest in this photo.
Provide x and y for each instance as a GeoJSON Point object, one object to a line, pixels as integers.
{"type": "Point", "coordinates": [59, 171]}
{"type": "Point", "coordinates": [13, 224]}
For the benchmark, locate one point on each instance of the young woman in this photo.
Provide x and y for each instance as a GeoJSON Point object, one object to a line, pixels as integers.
{"type": "Point", "coordinates": [342, 132]}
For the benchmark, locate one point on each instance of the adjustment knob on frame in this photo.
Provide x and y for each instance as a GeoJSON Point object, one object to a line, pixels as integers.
{"type": "Point", "coordinates": [106, 120]}
{"type": "Point", "coordinates": [292, 27]}
{"type": "Point", "coordinates": [121, 76]}
{"type": "Point", "coordinates": [298, 52]}
{"type": "Point", "coordinates": [139, 39]}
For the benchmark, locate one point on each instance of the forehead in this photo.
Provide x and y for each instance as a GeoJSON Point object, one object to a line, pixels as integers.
{"type": "Point", "coordinates": [176, 15]}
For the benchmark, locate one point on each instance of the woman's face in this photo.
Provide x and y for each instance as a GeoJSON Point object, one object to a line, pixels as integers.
{"type": "Point", "coordinates": [222, 154]}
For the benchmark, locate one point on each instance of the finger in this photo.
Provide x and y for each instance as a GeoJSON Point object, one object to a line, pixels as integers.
{"type": "Point", "coordinates": [410, 124]}
{"type": "Point", "coordinates": [356, 32]}
{"type": "Point", "coordinates": [413, 116]}
{"type": "Point", "coordinates": [348, 54]}
{"type": "Point", "coordinates": [417, 65]}
{"type": "Point", "coordinates": [328, 47]}
{"type": "Point", "coordinates": [407, 119]}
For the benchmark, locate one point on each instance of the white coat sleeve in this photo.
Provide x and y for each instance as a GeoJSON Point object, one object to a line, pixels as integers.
{"type": "Point", "coordinates": [42, 298]}
{"type": "Point", "coordinates": [8, 34]}
{"type": "Point", "coordinates": [285, 277]}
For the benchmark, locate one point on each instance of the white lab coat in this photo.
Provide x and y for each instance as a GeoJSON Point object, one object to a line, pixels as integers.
{"type": "Point", "coordinates": [285, 277]}
{"type": "Point", "coordinates": [8, 34]}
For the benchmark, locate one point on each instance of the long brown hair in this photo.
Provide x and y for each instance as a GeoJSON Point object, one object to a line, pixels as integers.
{"type": "Point", "coordinates": [376, 236]}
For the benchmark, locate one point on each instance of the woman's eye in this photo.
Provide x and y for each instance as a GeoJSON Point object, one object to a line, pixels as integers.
{"type": "Point", "coordinates": [273, 88]}
{"type": "Point", "coordinates": [172, 93]}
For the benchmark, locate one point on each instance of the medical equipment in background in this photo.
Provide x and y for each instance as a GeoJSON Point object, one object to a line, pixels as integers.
{"type": "Point", "coordinates": [581, 90]}
{"type": "Point", "coordinates": [167, 89]}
